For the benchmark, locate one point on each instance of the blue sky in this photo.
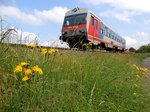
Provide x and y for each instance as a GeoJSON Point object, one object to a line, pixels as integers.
{"type": "Point", "coordinates": [130, 18]}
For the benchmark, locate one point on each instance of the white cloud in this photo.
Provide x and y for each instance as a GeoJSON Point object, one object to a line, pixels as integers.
{"type": "Point", "coordinates": [122, 16]}
{"type": "Point", "coordinates": [132, 5]}
{"type": "Point", "coordinates": [147, 22]}
{"type": "Point", "coordinates": [138, 39]}
{"type": "Point", "coordinates": [122, 10]}
{"type": "Point", "coordinates": [130, 42]}
{"type": "Point", "coordinates": [54, 15]}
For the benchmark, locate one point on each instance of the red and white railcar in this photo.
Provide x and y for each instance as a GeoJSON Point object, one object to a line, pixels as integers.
{"type": "Point", "coordinates": [82, 25]}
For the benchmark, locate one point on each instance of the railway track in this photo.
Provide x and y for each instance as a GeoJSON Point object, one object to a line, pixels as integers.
{"type": "Point", "coordinates": [61, 49]}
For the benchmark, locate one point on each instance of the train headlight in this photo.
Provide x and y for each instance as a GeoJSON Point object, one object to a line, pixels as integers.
{"type": "Point", "coordinates": [64, 33]}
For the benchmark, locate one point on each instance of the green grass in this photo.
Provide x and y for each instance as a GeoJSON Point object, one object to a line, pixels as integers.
{"type": "Point", "coordinates": [73, 81]}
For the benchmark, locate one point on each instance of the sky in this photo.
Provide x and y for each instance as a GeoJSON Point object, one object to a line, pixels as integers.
{"type": "Point", "coordinates": [129, 18]}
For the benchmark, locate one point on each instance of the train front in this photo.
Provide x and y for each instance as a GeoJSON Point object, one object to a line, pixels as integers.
{"type": "Point", "coordinates": [74, 27]}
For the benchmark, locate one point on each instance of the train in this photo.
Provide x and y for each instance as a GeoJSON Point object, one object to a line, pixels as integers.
{"type": "Point", "coordinates": [82, 26]}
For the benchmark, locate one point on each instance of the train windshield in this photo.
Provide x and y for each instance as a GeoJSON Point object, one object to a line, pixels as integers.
{"type": "Point", "coordinates": [75, 20]}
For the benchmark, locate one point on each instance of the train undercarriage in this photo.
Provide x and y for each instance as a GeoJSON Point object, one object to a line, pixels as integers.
{"type": "Point", "coordinates": [81, 41]}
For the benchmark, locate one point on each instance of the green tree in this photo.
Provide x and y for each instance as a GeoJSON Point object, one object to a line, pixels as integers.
{"type": "Point", "coordinates": [131, 49]}
{"type": "Point", "coordinates": [144, 49]}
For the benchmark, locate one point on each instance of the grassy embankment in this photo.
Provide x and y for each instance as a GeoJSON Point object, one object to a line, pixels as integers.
{"type": "Point", "coordinates": [72, 81]}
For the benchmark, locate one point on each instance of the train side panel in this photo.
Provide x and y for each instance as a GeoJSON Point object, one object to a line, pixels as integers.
{"type": "Point", "coordinates": [93, 29]}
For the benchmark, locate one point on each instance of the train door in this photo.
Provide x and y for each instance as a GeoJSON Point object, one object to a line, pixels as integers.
{"type": "Point", "coordinates": [91, 30]}
{"type": "Point", "coordinates": [96, 27]}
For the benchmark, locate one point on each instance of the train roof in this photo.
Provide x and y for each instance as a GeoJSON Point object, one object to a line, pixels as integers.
{"type": "Point", "coordinates": [76, 11]}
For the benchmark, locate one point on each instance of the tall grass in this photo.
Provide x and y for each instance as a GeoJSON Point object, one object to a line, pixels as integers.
{"type": "Point", "coordinates": [72, 81]}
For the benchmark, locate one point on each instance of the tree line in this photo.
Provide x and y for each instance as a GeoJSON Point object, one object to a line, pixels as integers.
{"type": "Point", "coordinates": [142, 49]}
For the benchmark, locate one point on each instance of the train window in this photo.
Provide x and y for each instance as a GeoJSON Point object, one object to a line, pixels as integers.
{"type": "Point", "coordinates": [111, 34]}
{"type": "Point", "coordinates": [101, 31]}
{"type": "Point", "coordinates": [68, 21]}
{"type": "Point", "coordinates": [92, 20]}
{"type": "Point", "coordinates": [96, 24]}
{"type": "Point", "coordinates": [106, 31]}
{"type": "Point", "coordinates": [80, 19]}
{"type": "Point", "coordinates": [114, 36]}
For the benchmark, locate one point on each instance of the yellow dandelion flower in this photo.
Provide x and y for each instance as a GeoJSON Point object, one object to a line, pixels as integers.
{"type": "Point", "coordinates": [81, 43]}
{"type": "Point", "coordinates": [43, 51]}
{"type": "Point", "coordinates": [56, 50]}
{"type": "Point", "coordinates": [28, 72]}
{"type": "Point", "coordinates": [31, 46]}
{"type": "Point", "coordinates": [140, 69]}
{"type": "Point", "coordinates": [24, 64]}
{"type": "Point", "coordinates": [143, 73]}
{"type": "Point", "coordinates": [145, 69]}
{"type": "Point", "coordinates": [50, 52]}
{"type": "Point", "coordinates": [25, 78]}
{"type": "Point", "coordinates": [91, 43]}
{"type": "Point", "coordinates": [137, 68]}
{"type": "Point", "coordinates": [34, 68]}
{"type": "Point", "coordinates": [18, 69]}
{"type": "Point", "coordinates": [134, 65]}
{"type": "Point", "coordinates": [37, 69]}
{"type": "Point", "coordinates": [53, 50]}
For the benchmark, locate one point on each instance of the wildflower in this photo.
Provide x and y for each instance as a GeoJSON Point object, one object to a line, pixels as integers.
{"type": "Point", "coordinates": [90, 43]}
{"type": "Point", "coordinates": [137, 68]}
{"type": "Point", "coordinates": [24, 64]}
{"type": "Point", "coordinates": [43, 51]}
{"type": "Point", "coordinates": [56, 50]}
{"type": "Point", "coordinates": [145, 69]}
{"type": "Point", "coordinates": [53, 50]}
{"type": "Point", "coordinates": [31, 46]}
{"type": "Point", "coordinates": [28, 72]}
{"type": "Point", "coordinates": [37, 69]}
{"type": "Point", "coordinates": [81, 43]}
{"type": "Point", "coordinates": [134, 65]}
{"type": "Point", "coordinates": [50, 52]}
{"type": "Point", "coordinates": [18, 69]}
{"type": "Point", "coordinates": [25, 78]}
